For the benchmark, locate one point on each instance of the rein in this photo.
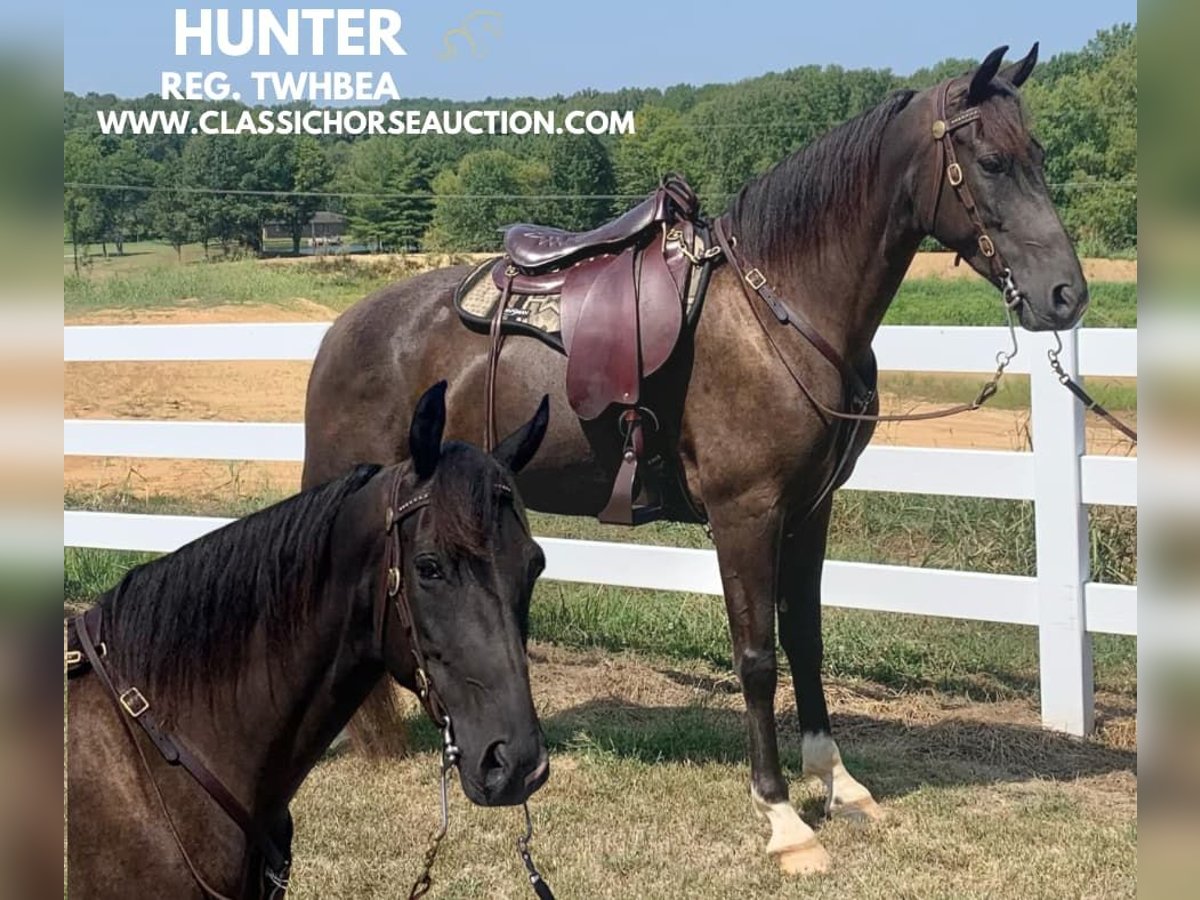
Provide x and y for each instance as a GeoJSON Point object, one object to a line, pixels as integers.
{"type": "Point", "coordinates": [132, 706]}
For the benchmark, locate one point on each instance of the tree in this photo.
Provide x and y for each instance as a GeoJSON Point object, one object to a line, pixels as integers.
{"type": "Point", "coordinates": [81, 211]}
{"type": "Point", "coordinates": [171, 209]}
{"type": "Point", "coordinates": [386, 179]}
{"type": "Point", "coordinates": [127, 174]}
{"type": "Point", "coordinates": [582, 174]}
{"type": "Point", "coordinates": [661, 144]}
{"type": "Point", "coordinates": [485, 192]}
{"type": "Point", "coordinates": [310, 173]}
{"type": "Point", "coordinates": [1085, 114]}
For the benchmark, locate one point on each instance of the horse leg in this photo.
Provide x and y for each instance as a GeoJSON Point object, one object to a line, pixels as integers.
{"type": "Point", "coordinates": [747, 554]}
{"type": "Point", "coordinates": [802, 558]}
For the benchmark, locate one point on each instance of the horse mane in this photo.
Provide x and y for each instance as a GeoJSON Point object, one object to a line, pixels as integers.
{"type": "Point", "coordinates": [817, 190]}
{"type": "Point", "coordinates": [188, 616]}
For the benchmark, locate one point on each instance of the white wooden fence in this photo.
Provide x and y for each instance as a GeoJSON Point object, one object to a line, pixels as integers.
{"type": "Point", "coordinates": [1062, 601]}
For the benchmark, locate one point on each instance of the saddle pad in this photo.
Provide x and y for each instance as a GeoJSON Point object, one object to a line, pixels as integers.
{"type": "Point", "coordinates": [532, 315]}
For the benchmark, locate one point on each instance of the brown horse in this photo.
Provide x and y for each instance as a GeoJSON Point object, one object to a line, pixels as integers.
{"type": "Point", "coordinates": [833, 228]}
{"type": "Point", "coordinates": [241, 656]}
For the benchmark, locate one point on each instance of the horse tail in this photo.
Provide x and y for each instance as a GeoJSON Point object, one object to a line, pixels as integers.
{"type": "Point", "coordinates": [377, 730]}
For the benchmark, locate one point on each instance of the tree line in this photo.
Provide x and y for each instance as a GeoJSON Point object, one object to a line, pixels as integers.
{"type": "Point", "coordinates": [452, 192]}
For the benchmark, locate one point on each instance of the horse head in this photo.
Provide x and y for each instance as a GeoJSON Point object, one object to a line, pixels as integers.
{"type": "Point", "coordinates": [990, 201]}
{"type": "Point", "coordinates": [468, 569]}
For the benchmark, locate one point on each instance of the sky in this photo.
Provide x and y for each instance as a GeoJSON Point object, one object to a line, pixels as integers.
{"type": "Point", "coordinates": [561, 46]}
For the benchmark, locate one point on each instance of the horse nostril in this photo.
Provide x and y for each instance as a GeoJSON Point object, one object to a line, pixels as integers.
{"type": "Point", "coordinates": [1064, 298]}
{"type": "Point", "coordinates": [495, 762]}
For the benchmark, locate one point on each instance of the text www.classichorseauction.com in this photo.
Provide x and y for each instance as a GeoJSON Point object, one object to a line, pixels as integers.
{"type": "Point", "coordinates": [316, 31]}
{"type": "Point", "coordinates": [341, 122]}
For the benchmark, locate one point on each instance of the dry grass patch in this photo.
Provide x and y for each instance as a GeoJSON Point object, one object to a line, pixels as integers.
{"type": "Point", "coordinates": [648, 796]}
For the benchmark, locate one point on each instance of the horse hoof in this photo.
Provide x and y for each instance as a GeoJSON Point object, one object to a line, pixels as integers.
{"type": "Point", "coordinates": [806, 859]}
{"type": "Point", "coordinates": [864, 810]}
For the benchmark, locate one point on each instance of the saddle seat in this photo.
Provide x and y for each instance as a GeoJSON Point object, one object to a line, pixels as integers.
{"type": "Point", "coordinates": [535, 247]}
{"type": "Point", "coordinates": [623, 289]}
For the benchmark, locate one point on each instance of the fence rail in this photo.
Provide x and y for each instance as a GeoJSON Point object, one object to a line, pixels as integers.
{"type": "Point", "coordinates": [1061, 600]}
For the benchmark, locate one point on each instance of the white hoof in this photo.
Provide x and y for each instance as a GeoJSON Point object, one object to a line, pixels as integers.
{"type": "Point", "coordinates": [808, 859]}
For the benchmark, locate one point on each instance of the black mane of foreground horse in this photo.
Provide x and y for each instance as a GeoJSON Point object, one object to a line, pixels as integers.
{"type": "Point", "coordinates": [251, 648]}
{"type": "Point", "coordinates": [833, 229]}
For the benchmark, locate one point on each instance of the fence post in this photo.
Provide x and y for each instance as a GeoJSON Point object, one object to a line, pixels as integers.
{"type": "Point", "coordinates": [1061, 528]}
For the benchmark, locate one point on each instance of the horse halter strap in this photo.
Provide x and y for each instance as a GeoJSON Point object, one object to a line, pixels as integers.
{"type": "Point", "coordinates": [943, 132]}
{"type": "Point", "coordinates": [393, 592]}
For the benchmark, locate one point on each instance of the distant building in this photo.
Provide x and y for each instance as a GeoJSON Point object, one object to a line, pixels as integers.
{"type": "Point", "coordinates": [323, 229]}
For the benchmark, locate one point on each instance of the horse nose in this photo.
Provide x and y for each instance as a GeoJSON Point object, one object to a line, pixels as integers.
{"type": "Point", "coordinates": [495, 767]}
{"type": "Point", "coordinates": [511, 773]}
{"type": "Point", "coordinates": [1069, 300]}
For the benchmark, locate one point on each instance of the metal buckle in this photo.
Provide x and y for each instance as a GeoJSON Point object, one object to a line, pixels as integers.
{"type": "Point", "coordinates": [393, 585]}
{"type": "Point", "coordinates": [74, 657]}
{"type": "Point", "coordinates": [134, 702]}
{"type": "Point", "coordinates": [954, 174]}
{"type": "Point", "coordinates": [755, 279]}
{"type": "Point", "coordinates": [422, 683]}
{"type": "Point", "coordinates": [986, 247]}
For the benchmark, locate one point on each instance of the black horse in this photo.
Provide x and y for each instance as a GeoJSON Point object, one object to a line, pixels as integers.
{"type": "Point", "coordinates": [242, 655]}
{"type": "Point", "coordinates": [831, 231]}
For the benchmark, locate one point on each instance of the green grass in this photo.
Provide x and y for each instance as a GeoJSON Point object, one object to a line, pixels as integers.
{"type": "Point", "coordinates": [971, 659]}
{"type": "Point", "coordinates": [335, 282]}
{"type": "Point", "coordinates": [935, 301]}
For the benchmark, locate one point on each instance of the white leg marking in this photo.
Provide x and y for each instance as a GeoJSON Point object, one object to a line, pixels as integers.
{"type": "Point", "coordinates": [846, 797]}
{"type": "Point", "coordinates": [793, 843]}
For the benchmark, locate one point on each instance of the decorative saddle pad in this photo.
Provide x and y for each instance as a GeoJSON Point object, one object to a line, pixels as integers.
{"type": "Point", "coordinates": [533, 315]}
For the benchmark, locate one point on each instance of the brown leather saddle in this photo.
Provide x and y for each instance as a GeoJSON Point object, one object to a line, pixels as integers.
{"type": "Point", "coordinates": [622, 291]}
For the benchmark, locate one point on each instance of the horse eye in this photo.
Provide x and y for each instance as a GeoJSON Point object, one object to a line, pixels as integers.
{"type": "Point", "coordinates": [428, 568]}
{"type": "Point", "coordinates": [994, 164]}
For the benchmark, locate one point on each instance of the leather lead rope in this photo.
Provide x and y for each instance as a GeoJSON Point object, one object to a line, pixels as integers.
{"type": "Point", "coordinates": [1088, 401]}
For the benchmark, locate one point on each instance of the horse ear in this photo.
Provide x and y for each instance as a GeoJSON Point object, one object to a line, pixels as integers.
{"type": "Point", "coordinates": [1017, 73]}
{"type": "Point", "coordinates": [984, 74]}
{"type": "Point", "coordinates": [425, 432]}
{"type": "Point", "coordinates": [516, 450]}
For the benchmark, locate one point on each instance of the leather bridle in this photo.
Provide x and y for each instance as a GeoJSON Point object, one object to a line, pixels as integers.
{"type": "Point", "coordinates": [943, 132]}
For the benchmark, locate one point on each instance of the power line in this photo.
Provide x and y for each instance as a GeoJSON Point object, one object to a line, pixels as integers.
{"type": "Point", "coordinates": [399, 195]}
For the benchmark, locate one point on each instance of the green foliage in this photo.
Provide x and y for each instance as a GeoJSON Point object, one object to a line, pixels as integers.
{"type": "Point", "coordinates": [1085, 110]}
{"type": "Point", "coordinates": [579, 166]}
{"type": "Point", "coordinates": [381, 176]}
{"type": "Point", "coordinates": [488, 189]}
